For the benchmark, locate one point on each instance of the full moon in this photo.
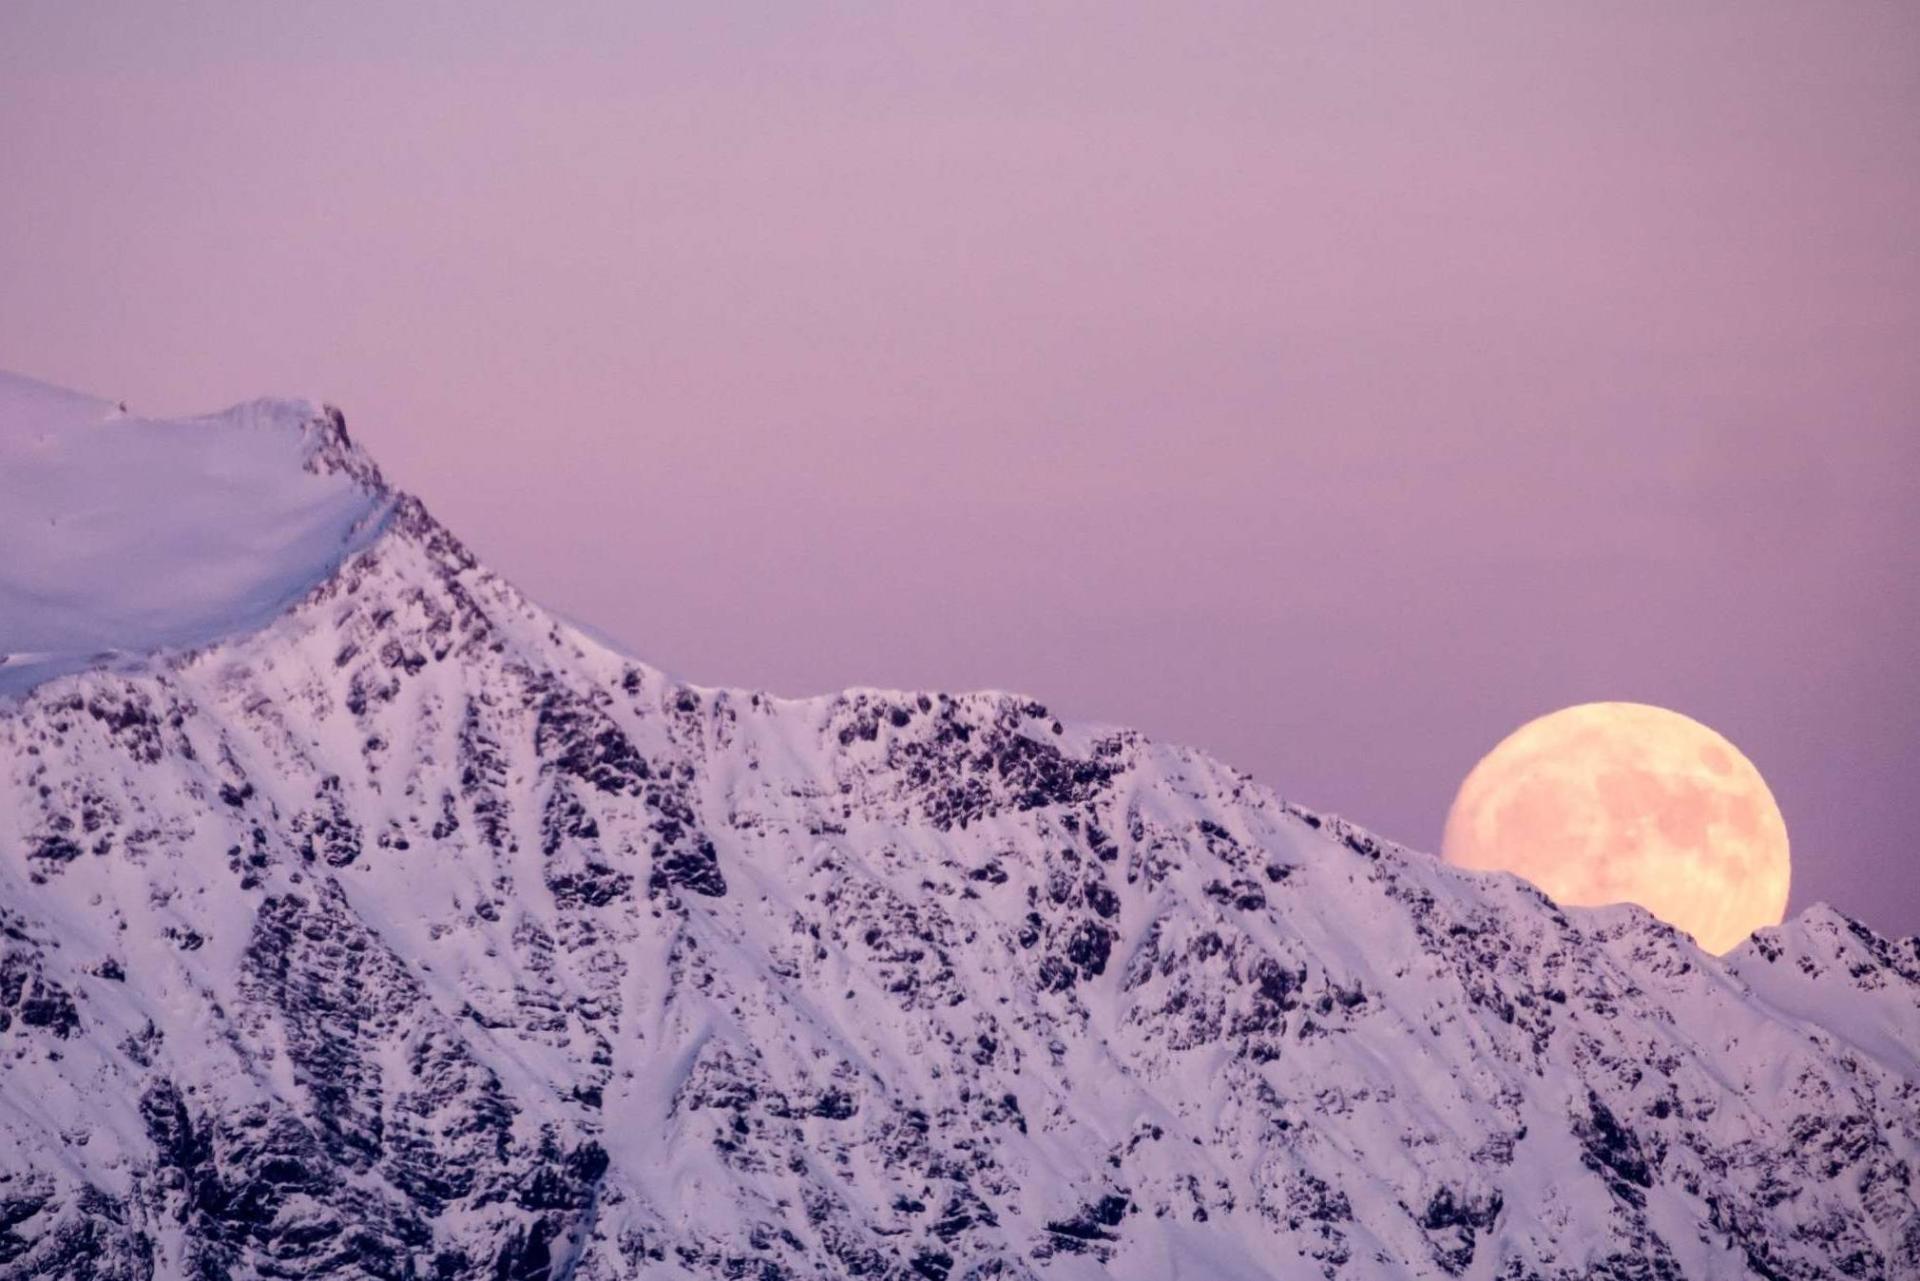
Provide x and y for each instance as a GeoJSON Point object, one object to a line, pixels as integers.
{"type": "Point", "coordinates": [1625, 803]}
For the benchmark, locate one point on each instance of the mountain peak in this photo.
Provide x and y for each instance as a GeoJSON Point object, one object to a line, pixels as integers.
{"type": "Point", "coordinates": [127, 534]}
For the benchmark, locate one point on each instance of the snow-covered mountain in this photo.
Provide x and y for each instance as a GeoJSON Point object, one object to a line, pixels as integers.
{"type": "Point", "coordinates": [359, 919]}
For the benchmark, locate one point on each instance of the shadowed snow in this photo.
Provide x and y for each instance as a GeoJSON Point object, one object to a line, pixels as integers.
{"type": "Point", "coordinates": [126, 535]}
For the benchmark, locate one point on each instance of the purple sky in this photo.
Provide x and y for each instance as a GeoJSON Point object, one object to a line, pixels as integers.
{"type": "Point", "coordinates": [1331, 388]}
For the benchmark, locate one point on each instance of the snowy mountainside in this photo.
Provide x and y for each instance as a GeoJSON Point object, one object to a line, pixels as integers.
{"type": "Point", "coordinates": [124, 534]}
{"type": "Point", "coordinates": [411, 933]}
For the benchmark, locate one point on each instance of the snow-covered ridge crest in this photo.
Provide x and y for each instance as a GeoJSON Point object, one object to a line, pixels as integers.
{"type": "Point", "coordinates": [125, 535]}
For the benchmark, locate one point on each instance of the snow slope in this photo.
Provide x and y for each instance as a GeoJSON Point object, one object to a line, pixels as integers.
{"type": "Point", "coordinates": [417, 934]}
{"type": "Point", "coordinates": [123, 535]}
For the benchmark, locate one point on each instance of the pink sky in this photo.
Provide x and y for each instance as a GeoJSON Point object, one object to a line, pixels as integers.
{"type": "Point", "coordinates": [1333, 387]}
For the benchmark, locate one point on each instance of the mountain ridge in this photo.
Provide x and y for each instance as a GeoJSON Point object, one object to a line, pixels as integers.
{"type": "Point", "coordinates": [415, 933]}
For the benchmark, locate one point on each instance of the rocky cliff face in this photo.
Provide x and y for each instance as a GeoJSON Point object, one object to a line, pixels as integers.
{"type": "Point", "coordinates": [415, 935]}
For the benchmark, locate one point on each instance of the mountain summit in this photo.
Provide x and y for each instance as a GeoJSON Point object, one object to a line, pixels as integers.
{"type": "Point", "coordinates": [123, 535]}
{"type": "Point", "coordinates": [360, 919]}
